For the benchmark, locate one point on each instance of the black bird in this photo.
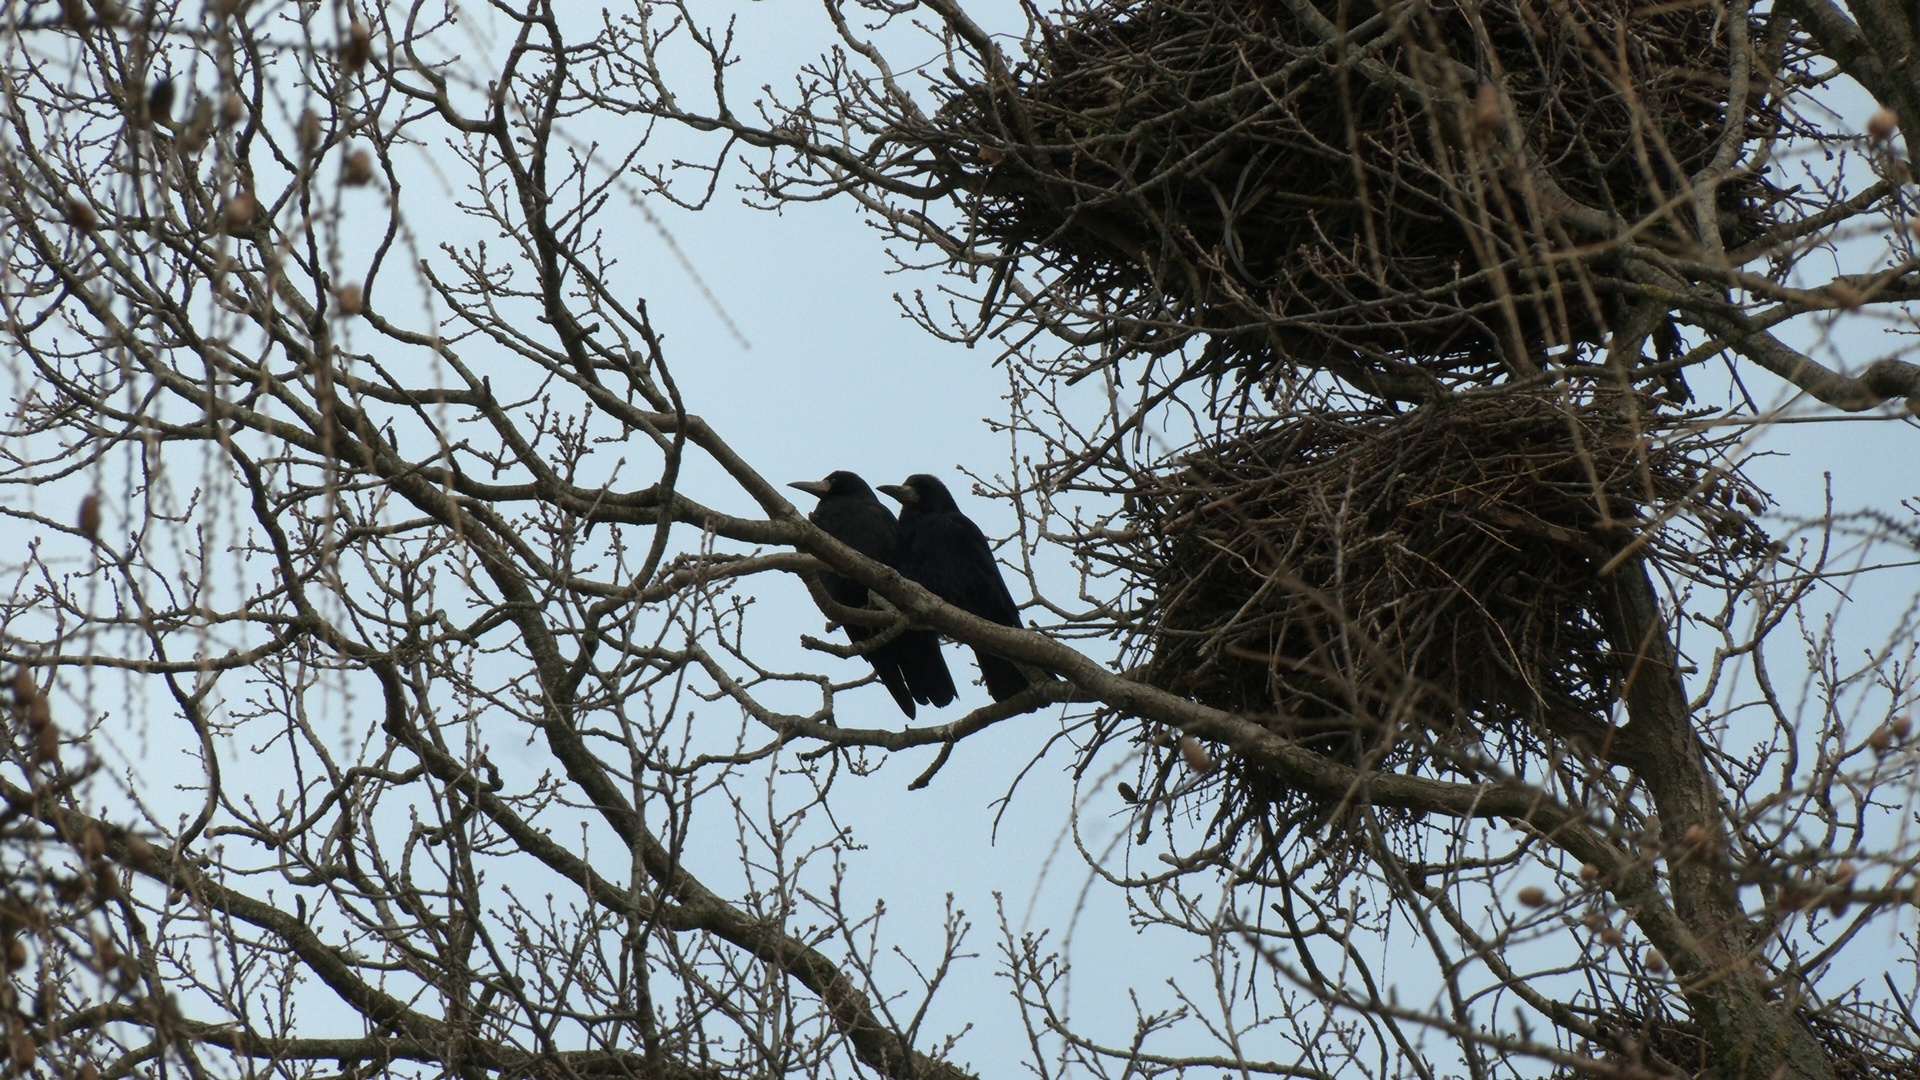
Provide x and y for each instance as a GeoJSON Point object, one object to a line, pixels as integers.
{"type": "Point", "coordinates": [910, 665]}
{"type": "Point", "coordinates": [945, 551]}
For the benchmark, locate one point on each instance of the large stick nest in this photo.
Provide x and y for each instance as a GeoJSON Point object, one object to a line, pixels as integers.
{"type": "Point", "coordinates": [1864, 1040]}
{"type": "Point", "coordinates": [1222, 166]}
{"type": "Point", "coordinates": [1379, 586]}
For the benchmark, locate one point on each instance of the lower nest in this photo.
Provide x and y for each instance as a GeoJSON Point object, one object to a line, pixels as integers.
{"type": "Point", "coordinates": [1375, 586]}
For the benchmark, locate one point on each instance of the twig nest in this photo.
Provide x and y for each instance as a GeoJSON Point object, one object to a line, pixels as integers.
{"type": "Point", "coordinates": [1230, 168]}
{"type": "Point", "coordinates": [1368, 584]}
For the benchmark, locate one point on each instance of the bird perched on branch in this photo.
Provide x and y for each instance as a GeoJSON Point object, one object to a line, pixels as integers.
{"type": "Point", "coordinates": [910, 665]}
{"type": "Point", "coordinates": [942, 549]}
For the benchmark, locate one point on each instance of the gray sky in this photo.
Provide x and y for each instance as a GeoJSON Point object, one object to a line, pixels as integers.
{"type": "Point", "coordinates": [836, 378]}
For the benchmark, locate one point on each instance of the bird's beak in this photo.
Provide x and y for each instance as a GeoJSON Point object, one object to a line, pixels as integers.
{"type": "Point", "coordinates": [816, 488]}
{"type": "Point", "coordinates": [905, 495]}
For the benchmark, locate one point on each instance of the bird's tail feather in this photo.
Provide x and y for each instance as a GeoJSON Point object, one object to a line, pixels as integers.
{"type": "Point", "coordinates": [896, 682]}
{"type": "Point", "coordinates": [886, 664]}
{"type": "Point", "coordinates": [1003, 679]}
{"type": "Point", "coordinates": [925, 669]}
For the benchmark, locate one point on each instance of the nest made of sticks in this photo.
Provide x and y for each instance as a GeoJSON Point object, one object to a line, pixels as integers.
{"type": "Point", "coordinates": [1377, 586]}
{"type": "Point", "coordinates": [1862, 1040]}
{"type": "Point", "coordinates": [1224, 167]}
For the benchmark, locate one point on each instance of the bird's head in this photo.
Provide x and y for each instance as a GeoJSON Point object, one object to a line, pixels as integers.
{"type": "Point", "coordinates": [838, 482]}
{"type": "Point", "coordinates": [921, 492]}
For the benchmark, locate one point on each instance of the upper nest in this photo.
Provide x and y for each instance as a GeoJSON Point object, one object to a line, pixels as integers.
{"type": "Point", "coordinates": [1378, 581]}
{"type": "Point", "coordinates": [1233, 167]}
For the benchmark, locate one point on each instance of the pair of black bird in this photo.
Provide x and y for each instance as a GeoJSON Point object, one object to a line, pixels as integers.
{"type": "Point", "coordinates": [934, 544]}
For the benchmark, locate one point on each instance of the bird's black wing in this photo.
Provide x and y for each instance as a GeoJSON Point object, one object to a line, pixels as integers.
{"type": "Point", "coordinates": [910, 665]}
{"type": "Point", "coordinates": [947, 553]}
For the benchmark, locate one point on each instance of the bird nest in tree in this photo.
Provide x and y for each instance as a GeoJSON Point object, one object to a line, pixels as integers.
{"type": "Point", "coordinates": [1382, 587]}
{"type": "Point", "coordinates": [1863, 1040]}
{"type": "Point", "coordinates": [1227, 167]}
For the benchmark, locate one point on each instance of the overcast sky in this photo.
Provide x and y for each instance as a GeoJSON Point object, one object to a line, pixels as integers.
{"type": "Point", "coordinates": [832, 376]}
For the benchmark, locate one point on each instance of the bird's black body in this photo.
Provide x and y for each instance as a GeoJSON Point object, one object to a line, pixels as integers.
{"type": "Point", "coordinates": [942, 549]}
{"type": "Point", "coordinates": [910, 665]}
